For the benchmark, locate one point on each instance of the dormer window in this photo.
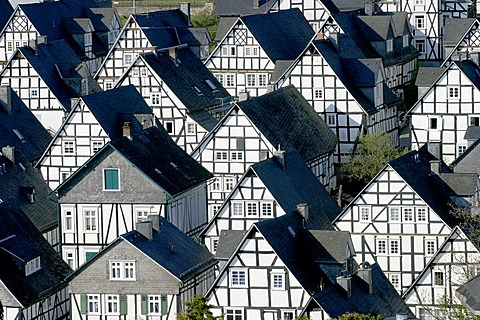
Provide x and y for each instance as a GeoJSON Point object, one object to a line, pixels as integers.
{"type": "Point", "coordinates": [88, 39]}
{"type": "Point", "coordinates": [406, 40]}
{"type": "Point", "coordinates": [32, 266]}
{"type": "Point", "coordinates": [389, 45]}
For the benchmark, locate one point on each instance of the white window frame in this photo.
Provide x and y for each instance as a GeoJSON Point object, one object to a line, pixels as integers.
{"type": "Point", "coordinates": [434, 278]}
{"type": "Point", "coordinates": [127, 59]}
{"type": "Point", "coordinates": [33, 266]}
{"type": "Point", "coordinates": [191, 128]}
{"type": "Point", "coordinates": [214, 244]}
{"type": "Point", "coordinates": [9, 46]}
{"type": "Point", "coordinates": [108, 85]}
{"type": "Point", "coordinates": [233, 313]}
{"type": "Point", "coordinates": [438, 123]}
{"type": "Point", "coordinates": [219, 77]}
{"type": "Point", "coordinates": [87, 220]}
{"type": "Point", "coordinates": [155, 98]}
{"type": "Point", "coordinates": [389, 45]}
{"type": "Point", "coordinates": [361, 214]}
{"type": "Point", "coordinates": [421, 48]}
{"type": "Point", "coordinates": [68, 219]}
{"type": "Point", "coordinates": [228, 183]}
{"type": "Point", "coordinates": [93, 304]}
{"type": "Point", "coordinates": [112, 300]}
{"type": "Point", "coordinates": [221, 155]}
{"type": "Point", "coordinates": [266, 209]}
{"type": "Point", "coordinates": [474, 121]}
{"type": "Point", "coordinates": [407, 214]}
{"type": "Point", "coordinates": [419, 20]}
{"type": "Point", "coordinates": [33, 92]}
{"type": "Point", "coordinates": [68, 147]}
{"type": "Point", "coordinates": [318, 94]}
{"type": "Point", "coordinates": [262, 80]}
{"type": "Point", "coordinates": [461, 149]}
{"type": "Point", "coordinates": [88, 38]}
{"type": "Point", "coordinates": [277, 280]}
{"type": "Point", "coordinates": [251, 80]}
{"type": "Point", "coordinates": [235, 277]}
{"type": "Point", "coordinates": [384, 243]}
{"type": "Point", "coordinates": [453, 92]}
{"type": "Point", "coordinates": [251, 205]}
{"type": "Point", "coordinates": [236, 156]}
{"type": "Point", "coordinates": [142, 213]}
{"type": "Point", "coordinates": [391, 247]}
{"type": "Point", "coordinates": [421, 214]}
{"type": "Point", "coordinates": [395, 280]}
{"type": "Point", "coordinates": [104, 179]}
{"type": "Point", "coordinates": [96, 145]}
{"type": "Point", "coordinates": [230, 80]}
{"type": "Point", "coordinates": [122, 270]}
{"type": "Point", "coordinates": [430, 247]}
{"type": "Point", "coordinates": [394, 212]}
{"type": "Point", "coordinates": [238, 209]}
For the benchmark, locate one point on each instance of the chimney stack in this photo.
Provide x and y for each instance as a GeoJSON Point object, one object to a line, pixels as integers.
{"type": "Point", "coordinates": [334, 39]}
{"type": "Point", "coordinates": [127, 130]}
{"type": "Point", "coordinates": [145, 228]}
{"type": "Point", "coordinates": [256, 4]}
{"type": "Point", "coordinates": [369, 8]}
{"type": "Point", "coordinates": [435, 166]}
{"type": "Point", "coordinates": [280, 155]}
{"type": "Point", "coordinates": [155, 219]}
{"type": "Point", "coordinates": [185, 8]}
{"type": "Point", "coordinates": [344, 280]}
{"type": "Point", "coordinates": [6, 98]}
{"type": "Point", "coordinates": [365, 273]}
{"type": "Point", "coordinates": [302, 209]}
{"type": "Point", "coordinates": [244, 95]}
{"type": "Point", "coordinates": [9, 153]}
{"type": "Point", "coordinates": [172, 52]}
{"type": "Point", "coordinates": [435, 149]}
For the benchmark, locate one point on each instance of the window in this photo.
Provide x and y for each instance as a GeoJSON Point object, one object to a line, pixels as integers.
{"type": "Point", "coordinates": [318, 94]}
{"type": "Point", "coordinates": [394, 246]}
{"type": "Point", "coordinates": [251, 80]}
{"type": "Point", "coordinates": [96, 145]}
{"type": "Point", "coordinates": [236, 156]}
{"type": "Point", "coordinates": [211, 85]}
{"type": "Point", "coordinates": [69, 258]}
{"type": "Point", "coordinates": [421, 214]}
{"type": "Point", "coordinates": [68, 147]}
{"type": "Point", "coordinates": [438, 278]}
{"type": "Point", "coordinates": [419, 2]}
{"type": "Point", "coordinates": [262, 80]}
{"type": "Point", "coordinates": [155, 98]}
{"type": "Point", "coordinates": [434, 124]}
{"type": "Point", "coordinates": [214, 245]}
{"type": "Point", "coordinates": [278, 280]}
{"type": "Point", "coordinates": [419, 21]}
{"type": "Point", "coordinates": [252, 208]}
{"type": "Point", "coordinates": [381, 246]}
{"type": "Point", "coordinates": [9, 46]}
{"type": "Point", "coordinates": [93, 301]}
{"type": "Point", "coordinates": [108, 85]}
{"type": "Point", "coordinates": [191, 129]}
{"type": "Point", "coordinates": [229, 80]}
{"type": "Point", "coordinates": [111, 179]}
{"type": "Point", "coordinates": [88, 39]}
{"type": "Point", "coordinates": [89, 255]}
{"type": "Point", "coordinates": [234, 314]}
{"type": "Point", "coordinates": [461, 149]}
{"type": "Point", "coordinates": [389, 45]}
{"type": "Point", "coordinates": [288, 315]}
{"type": "Point", "coordinates": [143, 72]}
{"type": "Point", "coordinates": [453, 92]}
{"type": "Point", "coordinates": [142, 214]}
{"type": "Point", "coordinates": [238, 278]}
{"type": "Point", "coordinates": [406, 40]}
{"type": "Point", "coordinates": [430, 247]}
{"type": "Point", "coordinates": [420, 44]}
{"type": "Point", "coordinates": [122, 270]}
{"type": "Point", "coordinates": [407, 214]}
{"type": "Point", "coordinates": [168, 126]}
{"type": "Point", "coordinates": [215, 208]}
{"type": "Point", "coordinates": [68, 226]}
{"type": "Point", "coordinates": [475, 121]}
{"type": "Point", "coordinates": [394, 214]}
{"type": "Point", "coordinates": [154, 304]}
{"type": "Point", "coordinates": [64, 175]}
{"type": "Point", "coordinates": [33, 93]}
{"type": "Point", "coordinates": [364, 213]}
{"type": "Point", "coordinates": [229, 51]}
{"type": "Point", "coordinates": [127, 59]}
{"type": "Point", "coordinates": [266, 208]}
{"type": "Point", "coordinates": [90, 218]}
{"type": "Point", "coordinates": [219, 77]}
{"type": "Point", "coordinates": [237, 208]}
{"type": "Point", "coordinates": [221, 155]}
{"type": "Point", "coordinates": [229, 184]}
{"type": "Point", "coordinates": [112, 304]}
{"type": "Point", "coordinates": [331, 120]}
{"type": "Point", "coordinates": [395, 280]}
{"type": "Point", "coordinates": [32, 266]}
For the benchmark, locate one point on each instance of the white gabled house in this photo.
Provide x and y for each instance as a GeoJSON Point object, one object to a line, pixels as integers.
{"type": "Point", "coordinates": [92, 122]}
{"type": "Point", "coordinates": [253, 129]}
{"type": "Point", "coordinates": [130, 178]}
{"type": "Point", "coordinates": [455, 262]}
{"type": "Point", "coordinates": [448, 109]}
{"type": "Point", "coordinates": [181, 91]}
{"type": "Point", "coordinates": [250, 54]}
{"type": "Point", "coordinates": [146, 32]}
{"type": "Point", "coordinates": [269, 189]}
{"type": "Point", "coordinates": [144, 274]}
{"type": "Point", "coordinates": [403, 216]}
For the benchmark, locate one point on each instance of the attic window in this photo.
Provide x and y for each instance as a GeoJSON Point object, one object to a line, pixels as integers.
{"type": "Point", "coordinates": [19, 135]}
{"type": "Point", "coordinates": [197, 90]}
{"type": "Point", "coordinates": [32, 266]}
{"type": "Point", "coordinates": [211, 84]}
{"type": "Point", "coordinates": [389, 45]}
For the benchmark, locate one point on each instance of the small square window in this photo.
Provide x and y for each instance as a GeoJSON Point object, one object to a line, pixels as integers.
{"type": "Point", "coordinates": [191, 128]}
{"type": "Point", "coordinates": [266, 209]}
{"type": "Point", "coordinates": [394, 214]}
{"type": "Point", "coordinates": [438, 278]}
{"type": "Point", "coordinates": [127, 59]}
{"type": "Point", "coordinates": [33, 93]}
{"type": "Point", "coordinates": [454, 92]}
{"type": "Point", "coordinates": [461, 149]}
{"type": "Point", "coordinates": [168, 126]}
{"type": "Point", "coordinates": [278, 280]}
{"type": "Point", "coordinates": [421, 214]}
{"type": "Point", "coordinates": [475, 121]}
{"type": "Point", "coordinates": [317, 93]}
{"type": "Point", "coordinates": [394, 247]}
{"type": "Point", "coordinates": [238, 278]}
{"type": "Point", "coordinates": [364, 213]}
{"type": "Point", "coordinates": [108, 86]}
{"type": "Point", "coordinates": [111, 179]}
{"type": "Point", "coordinates": [395, 280]}
{"type": "Point", "coordinates": [381, 246]}
{"type": "Point", "coordinates": [96, 145]}
{"type": "Point", "coordinates": [68, 147]}
{"type": "Point", "coordinates": [430, 247]}
{"type": "Point", "coordinates": [237, 208]}
{"type": "Point", "coordinates": [252, 208]}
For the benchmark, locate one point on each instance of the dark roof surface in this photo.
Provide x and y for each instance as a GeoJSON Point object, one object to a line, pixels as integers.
{"type": "Point", "coordinates": [288, 26]}
{"type": "Point", "coordinates": [153, 151]}
{"type": "Point", "coordinates": [6, 11]}
{"type": "Point", "coordinates": [16, 180]}
{"type": "Point", "coordinates": [472, 133]}
{"type": "Point", "coordinates": [35, 137]}
{"type": "Point", "coordinates": [294, 184]}
{"type": "Point", "coordinates": [455, 29]}
{"type": "Point", "coordinates": [20, 240]}
{"type": "Point", "coordinates": [427, 76]}
{"type": "Point", "coordinates": [285, 118]}
{"type": "Point", "coordinates": [228, 242]}
{"type": "Point", "coordinates": [241, 7]}
{"type": "Point", "coordinates": [471, 70]}
{"type": "Point", "coordinates": [183, 75]}
{"type": "Point", "coordinates": [463, 184]}
{"type": "Point", "coordinates": [173, 250]}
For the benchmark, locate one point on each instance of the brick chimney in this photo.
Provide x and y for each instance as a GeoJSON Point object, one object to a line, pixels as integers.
{"type": "Point", "coordinates": [145, 228]}
{"type": "Point", "coordinates": [185, 8]}
{"type": "Point", "coordinates": [6, 98]}
{"type": "Point", "coordinates": [280, 155]}
{"type": "Point", "coordinates": [127, 130]}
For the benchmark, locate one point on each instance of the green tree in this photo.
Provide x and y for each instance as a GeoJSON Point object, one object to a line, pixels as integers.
{"type": "Point", "coordinates": [373, 152]}
{"type": "Point", "coordinates": [207, 20]}
{"type": "Point", "coordinates": [358, 316]}
{"type": "Point", "coordinates": [198, 309]}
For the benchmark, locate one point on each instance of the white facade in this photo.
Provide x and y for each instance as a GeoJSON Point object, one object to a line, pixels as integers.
{"type": "Point", "coordinates": [467, 47]}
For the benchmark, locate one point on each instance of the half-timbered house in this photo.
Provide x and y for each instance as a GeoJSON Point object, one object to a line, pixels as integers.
{"type": "Point", "coordinates": [182, 92]}
{"type": "Point", "coordinates": [147, 32]}
{"type": "Point", "coordinates": [350, 94]}
{"type": "Point", "coordinates": [253, 129]}
{"type": "Point", "coordinates": [144, 274]}
{"type": "Point", "coordinates": [250, 54]}
{"type": "Point", "coordinates": [455, 262]}
{"type": "Point", "coordinates": [22, 184]}
{"type": "Point", "coordinates": [270, 188]}
{"type": "Point", "coordinates": [446, 110]}
{"type": "Point", "coordinates": [401, 218]}
{"type": "Point", "coordinates": [54, 20]}
{"type": "Point", "coordinates": [140, 174]}
{"type": "Point", "coordinates": [92, 122]}
{"type": "Point", "coordinates": [427, 18]}
{"type": "Point", "coordinates": [32, 274]}
{"type": "Point", "coordinates": [46, 77]}
{"type": "Point", "coordinates": [282, 263]}
{"type": "Point", "coordinates": [461, 38]}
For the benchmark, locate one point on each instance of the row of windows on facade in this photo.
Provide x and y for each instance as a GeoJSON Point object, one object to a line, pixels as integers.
{"type": "Point", "coordinates": [14, 45]}
{"type": "Point", "coordinates": [234, 51]}
{"type": "Point", "coordinates": [393, 247]}
{"type": "Point", "coordinates": [116, 304]}
{"type": "Point", "coordinates": [239, 278]}
{"type": "Point", "coordinates": [228, 80]}
{"type": "Point", "coordinates": [238, 314]}
{"type": "Point", "coordinates": [438, 279]}
{"type": "Point", "coordinates": [396, 214]}
{"type": "Point", "coordinates": [435, 122]}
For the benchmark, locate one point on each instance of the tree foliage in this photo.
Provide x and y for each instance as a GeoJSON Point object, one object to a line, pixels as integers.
{"type": "Point", "coordinates": [207, 20]}
{"type": "Point", "coordinates": [373, 153]}
{"type": "Point", "coordinates": [198, 309]}
{"type": "Point", "coordinates": [359, 316]}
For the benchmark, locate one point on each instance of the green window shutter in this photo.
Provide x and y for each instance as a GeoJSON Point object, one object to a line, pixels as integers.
{"type": "Point", "coordinates": [83, 303]}
{"type": "Point", "coordinates": [164, 302]}
{"type": "Point", "coordinates": [144, 304]}
{"type": "Point", "coordinates": [123, 304]}
{"type": "Point", "coordinates": [89, 255]}
{"type": "Point", "coordinates": [111, 179]}
{"type": "Point", "coordinates": [240, 143]}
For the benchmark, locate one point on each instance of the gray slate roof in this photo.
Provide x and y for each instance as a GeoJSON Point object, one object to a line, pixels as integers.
{"type": "Point", "coordinates": [152, 150]}
{"type": "Point", "coordinates": [18, 117]}
{"type": "Point", "coordinates": [455, 29]}
{"type": "Point", "coordinates": [228, 242]}
{"type": "Point", "coordinates": [427, 76]}
{"type": "Point", "coordinates": [285, 118]}
{"type": "Point", "coordinates": [472, 133]}
{"type": "Point", "coordinates": [20, 240]}
{"type": "Point", "coordinates": [187, 259]}
{"type": "Point", "coordinates": [469, 294]}
{"type": "Point", "coordinates": [16, 179]}
{"type": "Point", "coordinates": [462, 184]}
{"type": "Point", "coordinates": [287, 26]}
